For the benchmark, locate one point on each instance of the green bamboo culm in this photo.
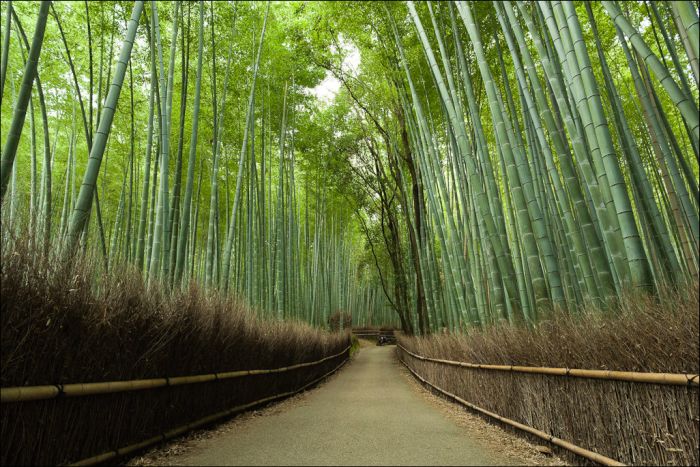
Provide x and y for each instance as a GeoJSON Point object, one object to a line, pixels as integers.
{"type": "Point", "coordinates": [685, 104]}
{"type": "Point", "coordinates": [5, 48]}
{"type": "Point", "coordinates": [160, 252]}
{"type": "Point", "coordinates": [250, 115]}
{"type": "Point", "coordinates": [9, 151]}
{"type": "Point", "coordinates": [84, 201]}
{"type": "Point", "coordinates": [187, 202]}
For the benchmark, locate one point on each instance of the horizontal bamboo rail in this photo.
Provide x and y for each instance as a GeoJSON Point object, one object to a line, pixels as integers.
{"type": "Point", "coordinates": [33, 393]}
{"type": "Point", "coordinates": [591, 455]}
{"type": "Point", "coordinates": [677, 379]}
{"type": "Point", "coordinates": [109, 455]}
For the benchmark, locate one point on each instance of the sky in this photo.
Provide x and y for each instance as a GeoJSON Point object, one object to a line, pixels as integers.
{"type": "Point", "coordinates": [327, 89]}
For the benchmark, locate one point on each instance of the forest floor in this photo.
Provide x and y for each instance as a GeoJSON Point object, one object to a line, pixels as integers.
{"type": "Point", "coordinates": [372, 412]}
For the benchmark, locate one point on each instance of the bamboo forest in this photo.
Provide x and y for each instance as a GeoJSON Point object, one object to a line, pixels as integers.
{"type": "Point", "coordinates": [473, 208]}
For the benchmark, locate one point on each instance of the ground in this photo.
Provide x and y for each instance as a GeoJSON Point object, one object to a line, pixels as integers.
{"type": "Point", "coordinates": [372, 412]}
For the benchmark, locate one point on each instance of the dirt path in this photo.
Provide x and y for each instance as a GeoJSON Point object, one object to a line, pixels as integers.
{"type": "Point", "coordinates": [367, 415]}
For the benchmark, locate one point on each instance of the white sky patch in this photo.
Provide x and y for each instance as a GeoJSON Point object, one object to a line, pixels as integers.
{"type": "Point", "coordinates": [327, 89]}
{"type": "Point", "coordinates": [644, 24]}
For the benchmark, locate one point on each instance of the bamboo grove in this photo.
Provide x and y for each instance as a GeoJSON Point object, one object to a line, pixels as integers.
{"type": "Point", "coordinates": [482, 162]}
{"type": "Point", "coordinates": [532, 155]}
{"type": "Point", "coordinates": [573, 198]}
{"type": "Point", "coordinates": [134, 188]}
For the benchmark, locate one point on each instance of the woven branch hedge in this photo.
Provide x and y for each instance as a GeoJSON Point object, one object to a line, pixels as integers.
{"type": "Point", "coordinates": [69, 327]}
{"type": "Point", "coordinates": [635, 423]}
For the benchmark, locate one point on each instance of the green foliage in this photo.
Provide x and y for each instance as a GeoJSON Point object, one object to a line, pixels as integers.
{"type": "Point", "coordinates": [475, 162]}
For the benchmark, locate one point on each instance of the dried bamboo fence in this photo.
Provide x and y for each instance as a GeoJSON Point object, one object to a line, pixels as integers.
{"type": "Point", "coordinates": [507, 395]}
{"type": "Point", "coordinates": [124, 451]}
{"type": "Point", "coordinates": [680, 379]}
{"type": "Point", "coordinates": [594, 456]}
{"type": "Point", "coordinates": [31, 393]}
{"type": "Point", "coordinates": [18, 397]}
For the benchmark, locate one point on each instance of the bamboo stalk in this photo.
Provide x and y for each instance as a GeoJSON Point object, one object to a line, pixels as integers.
{"type": "Point", "coordinates": [591, 455]}
{"type": "Point", "coordinates": [676, 379]}
{"type": "Point", "coordinates": [32, 393]}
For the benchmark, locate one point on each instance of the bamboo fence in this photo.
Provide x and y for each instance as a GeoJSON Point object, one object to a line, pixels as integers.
{"type": "Point", "coordinates": [677, 379]}
{"type": "Point", "coordinates": [120, 452]}
{"type": "Point", "coordinates": [591, 455]}
{"type": "Point", "coordinates": [33, 393]}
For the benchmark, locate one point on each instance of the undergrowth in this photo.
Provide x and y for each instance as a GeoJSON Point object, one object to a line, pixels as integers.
{"type": "Point", "coordinates": [66, 321]}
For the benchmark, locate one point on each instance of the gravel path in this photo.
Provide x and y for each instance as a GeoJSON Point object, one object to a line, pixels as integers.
{"type": "Point", "coordinates": [367, 414]}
